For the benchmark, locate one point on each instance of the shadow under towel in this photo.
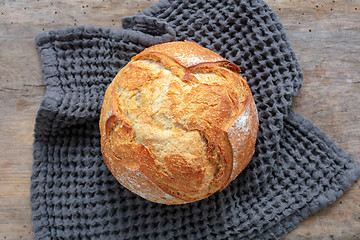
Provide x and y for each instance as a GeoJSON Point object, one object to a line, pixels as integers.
{"type": "Point", "coordinates": [296, 169]}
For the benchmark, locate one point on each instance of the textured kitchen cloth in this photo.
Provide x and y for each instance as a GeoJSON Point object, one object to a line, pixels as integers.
{"type": "Point", "coordinates": [296, 169]}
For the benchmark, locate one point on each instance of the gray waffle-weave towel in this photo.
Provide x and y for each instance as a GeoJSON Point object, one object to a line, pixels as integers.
{"type": "Point", "coordinates": [296, 169]}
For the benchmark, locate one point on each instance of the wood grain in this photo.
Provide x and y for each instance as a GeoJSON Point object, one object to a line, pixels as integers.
{"type": "Point", "coordinates": [324, 34]}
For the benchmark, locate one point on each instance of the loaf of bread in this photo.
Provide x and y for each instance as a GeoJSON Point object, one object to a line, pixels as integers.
{"type": "Point", "coordinates": [178, 123]}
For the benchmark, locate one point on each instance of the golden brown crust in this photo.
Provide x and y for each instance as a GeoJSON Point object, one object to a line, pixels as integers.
{"type": "Point", "coordinates": [178, 123]}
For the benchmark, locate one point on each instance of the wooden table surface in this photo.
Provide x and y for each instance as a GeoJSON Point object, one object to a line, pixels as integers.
{"type": "Point", "coordinates": [324, 34]}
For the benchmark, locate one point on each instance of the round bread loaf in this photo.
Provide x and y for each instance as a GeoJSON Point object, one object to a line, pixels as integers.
{"type": "Point", "coordinates": [178, 123]}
